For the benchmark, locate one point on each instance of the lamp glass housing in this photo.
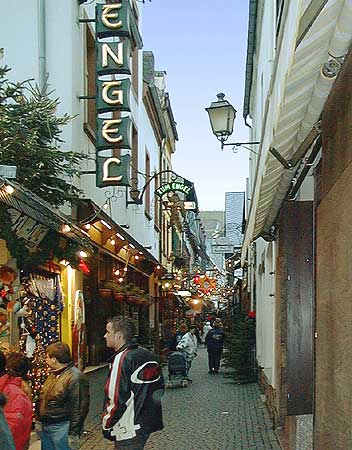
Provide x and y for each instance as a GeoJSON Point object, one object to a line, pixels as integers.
{"type": "Point", "coordinates": [222, 116]}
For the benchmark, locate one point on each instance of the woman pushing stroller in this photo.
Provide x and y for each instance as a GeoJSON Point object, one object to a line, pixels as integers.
{"type": "Point", "coordinates": [188, 346]}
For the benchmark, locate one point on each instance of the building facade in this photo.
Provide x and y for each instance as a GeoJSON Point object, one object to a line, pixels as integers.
{"type": "Point", "coordinates": [126, 230]}
{"type": "Point", "coordinates": [298, 63]}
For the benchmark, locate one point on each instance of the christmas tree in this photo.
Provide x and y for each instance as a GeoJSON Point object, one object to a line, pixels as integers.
{"type": "Point", "coordinates": [239, 351]}
{"type": "Point", "coordinates": [30, 133]}
{"type": "Point", "coordinates": [40, 370]}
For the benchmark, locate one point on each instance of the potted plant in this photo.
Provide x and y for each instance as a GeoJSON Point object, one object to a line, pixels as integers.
{"type": "Point", "coordinates": [118, 290]}
{"type": "Point", "coordinates": [134, 294]}
{"type": "Point", "coordinates": [105, 292]}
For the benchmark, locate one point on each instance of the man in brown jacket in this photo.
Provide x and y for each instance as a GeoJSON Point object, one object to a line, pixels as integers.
{"type": "Point", "coordinates": [64, 400]}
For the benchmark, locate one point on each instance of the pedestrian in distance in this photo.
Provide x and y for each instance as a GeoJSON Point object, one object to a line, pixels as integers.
{"type": "Point", "coordinates": [6, 439]}
{"type": "Point", "coordinates": [133, 389]}
{"type": "Point", "coordinates": [206, 328]}
{"type": "Point", "coordinates": [64, 401]}
{"type": "Point", "coordinates": [182, 329]}
{"type": "Point", "coordinates": [214, 342]}
{"type": "Point", "coordinates": [18, 408]}
{"type": "Point", "coordinates": [198, 334]}
{"type": "Point", "coordinates": [188, 345]}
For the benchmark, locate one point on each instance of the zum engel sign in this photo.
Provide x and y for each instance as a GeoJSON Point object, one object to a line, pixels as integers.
{"type": "Point", "coordinates": [173, 187]}
{"type": "Point", "coordinates": [115, 25]}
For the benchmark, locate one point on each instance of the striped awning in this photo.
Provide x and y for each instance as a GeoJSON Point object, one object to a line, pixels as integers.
{"type": "Point", "coordinates": [306, 68]}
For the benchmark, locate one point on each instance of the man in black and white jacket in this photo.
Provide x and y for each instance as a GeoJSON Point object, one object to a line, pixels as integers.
{"type": "Point", "coordinates": [133, 389]}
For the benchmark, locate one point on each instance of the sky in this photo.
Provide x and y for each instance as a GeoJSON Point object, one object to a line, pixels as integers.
{"type": "Point", "coordinates": [202, 45]}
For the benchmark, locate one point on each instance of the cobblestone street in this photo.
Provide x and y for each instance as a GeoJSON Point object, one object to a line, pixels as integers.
{"type": "Point", "coordinates": [212, 414]}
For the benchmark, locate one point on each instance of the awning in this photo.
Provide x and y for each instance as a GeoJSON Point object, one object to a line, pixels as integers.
{"type": "Point", "coordinates": [88, 209]}
{"type": "Point", "coordinates": [32, 206]}
{"type": "Point", "coordinates": [307, 64]}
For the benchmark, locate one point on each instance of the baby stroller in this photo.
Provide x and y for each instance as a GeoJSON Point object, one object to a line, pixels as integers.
{"type": "Point", "coordinates": [178, 369]}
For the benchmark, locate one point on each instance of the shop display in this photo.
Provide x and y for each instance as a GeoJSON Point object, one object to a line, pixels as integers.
{"type": "Point", "coordinates": [79, 338]}
{"type": "Point", "coordinates": [41, 303]}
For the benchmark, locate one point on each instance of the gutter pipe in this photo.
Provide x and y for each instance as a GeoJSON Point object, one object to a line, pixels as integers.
{"type": "Point", "coordinates": [41, 45]}
{"type": "Point", "coordinates": [251, 38]}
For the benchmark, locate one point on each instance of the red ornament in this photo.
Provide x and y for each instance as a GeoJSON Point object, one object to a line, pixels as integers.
{"type": "Point", "coordinates": [83, 266]}
{"type": "Point", "coordinates": [7, 275]}
{"type": "Point", "coordinates": [3, 293]}
{"type": "Point", "coordinates": [251, 314]}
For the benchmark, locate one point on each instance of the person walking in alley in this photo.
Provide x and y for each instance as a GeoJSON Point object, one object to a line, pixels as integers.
{"type": "Point", "coordinates": [188, 345]}
{"type": "Point", "coordinates": [18, 408]}
{"type": "Point", "coordinates": [64, 401]}
{"type": "Point", "coordinates": [214, 342]}
{"type": "Point", "coordinates": [133, 389]}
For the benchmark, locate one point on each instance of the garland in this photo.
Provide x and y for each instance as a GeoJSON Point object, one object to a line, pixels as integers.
{"type": "Point", "coordinates": [52, 246]}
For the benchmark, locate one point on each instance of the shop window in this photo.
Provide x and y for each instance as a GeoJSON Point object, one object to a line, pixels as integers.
{"type": "Point", "coordinates": [147, 191]}
{"type": "Point", "coordinates": [89, 122]}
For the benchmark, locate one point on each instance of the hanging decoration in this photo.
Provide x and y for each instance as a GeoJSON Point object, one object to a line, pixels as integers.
{"type": "Point", "coordinates": [7, 277]}
{"type": "Point", "coordinates": [83, 266]}
{"type": "Point", "coordinates": [41, 304]}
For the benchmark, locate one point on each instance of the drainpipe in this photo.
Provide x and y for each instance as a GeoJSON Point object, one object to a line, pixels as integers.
{"type": "Point", "coordinates": [41, 45]}
{"type": "Point", "coordinates": [251, 38]}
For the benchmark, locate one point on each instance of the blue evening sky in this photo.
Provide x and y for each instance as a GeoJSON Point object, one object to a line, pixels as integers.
{"type": "Point", "coordinates": [202, 44]}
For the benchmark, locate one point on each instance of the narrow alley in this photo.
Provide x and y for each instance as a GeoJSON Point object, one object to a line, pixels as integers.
{"type": "Point", "coordinates": [212, 414]}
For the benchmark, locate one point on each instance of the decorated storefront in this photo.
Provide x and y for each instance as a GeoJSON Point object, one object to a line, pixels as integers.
{"type": "Point", "coordinates": [41, 268]}
{"type": "Point", "coordinates": [123, 280]}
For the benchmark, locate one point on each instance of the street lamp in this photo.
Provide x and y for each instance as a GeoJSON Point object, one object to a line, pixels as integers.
{"type": "Point", "coordinates": [222, 116]}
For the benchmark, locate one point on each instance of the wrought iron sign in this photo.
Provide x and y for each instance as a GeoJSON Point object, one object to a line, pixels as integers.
{"type": "Point", "coordinates": [177, 184]}
{"type": "Point", "coordinates": [173, 187]}
{"type": "Point", "coordinates": [115, 27]}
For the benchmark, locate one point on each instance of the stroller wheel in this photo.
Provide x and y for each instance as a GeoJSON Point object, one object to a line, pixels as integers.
{"type": "Point", "coordinates": [184, 383]}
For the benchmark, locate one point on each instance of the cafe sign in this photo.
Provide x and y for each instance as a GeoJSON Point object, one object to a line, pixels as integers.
{"type": "Point", "coordinates": [173, 187]}
{"type": "Point", "coordinates": [115, 27]}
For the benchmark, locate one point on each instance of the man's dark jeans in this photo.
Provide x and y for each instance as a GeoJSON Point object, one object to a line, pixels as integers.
{"type": "Point", "coordinates": [137, 443]}
{"type": "Point", "coordinates": [214, 360]}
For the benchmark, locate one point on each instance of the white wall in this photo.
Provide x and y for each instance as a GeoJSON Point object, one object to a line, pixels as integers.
{"type": "Point", "coordinates": [265, 252]}
{"type": "Point", "coordinates": [65, 59]}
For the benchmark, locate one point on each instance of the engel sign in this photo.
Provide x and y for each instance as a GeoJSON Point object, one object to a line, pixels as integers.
{"type": "Point", "coordinates": [113, 95]}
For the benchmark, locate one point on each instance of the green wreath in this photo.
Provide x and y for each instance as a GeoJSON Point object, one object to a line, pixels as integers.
{"type": "Point", "coordinates": [53, 246]}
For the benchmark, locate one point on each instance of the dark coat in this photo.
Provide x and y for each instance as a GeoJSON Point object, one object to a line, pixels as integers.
{"type": "Point", "coordinates": [133, 394]}
{"type": "Point", "coordinates": [214, 340]}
